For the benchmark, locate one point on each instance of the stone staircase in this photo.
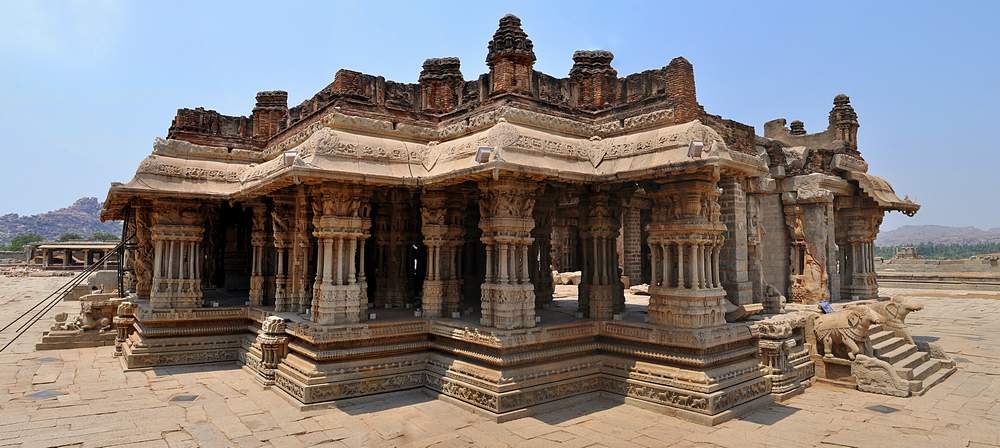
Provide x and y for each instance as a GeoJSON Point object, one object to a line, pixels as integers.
{"type": "Point", "coordinates": [915, 367]}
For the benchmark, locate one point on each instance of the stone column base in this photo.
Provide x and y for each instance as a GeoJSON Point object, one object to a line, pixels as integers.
{"type": "Point", "coordinates": [602, 301]}
{"type": "Point", "coordinates": [508, 306]}
{"type": "Point", "coordinates": [686, 308]}
{"type": "Point", "coordinates": [339, 304]}
{"type": "Point", "coordinates": [433, 301]}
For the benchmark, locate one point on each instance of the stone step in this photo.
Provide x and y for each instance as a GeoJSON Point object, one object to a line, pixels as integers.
{"type": "Point", "coordinates": [879, 336]}
{"type": "Point", "coordinates": [928, 368]}
{"type": "Point", "coordinates": [935, 378]}
{"type": "Point", "coordinates": [898, 353]}
{"type": "Point", "coordinates": [887, 345]}
{"type": "Point", "coordinates": [912, 361]}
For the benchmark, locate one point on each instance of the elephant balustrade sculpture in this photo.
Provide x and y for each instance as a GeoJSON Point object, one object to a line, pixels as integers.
{"type": "Point", "coordinates": [893, 313]}
{"type": "Point", "coordinates": [848, 327]}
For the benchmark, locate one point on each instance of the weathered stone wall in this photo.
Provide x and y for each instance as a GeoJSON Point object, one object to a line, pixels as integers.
{"type": "Point", "coordinates": [734, 269]}
{"type": "Point", "coordinates": [775, 240]}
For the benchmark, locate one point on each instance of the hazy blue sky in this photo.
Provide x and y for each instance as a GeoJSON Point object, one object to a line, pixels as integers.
{"type": "Point", "coordinates": [85, 86]}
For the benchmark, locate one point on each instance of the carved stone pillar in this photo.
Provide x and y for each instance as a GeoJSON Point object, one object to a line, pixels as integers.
{"type": "Point", "coordinates": [540, 253]}
{"type": "Point", "coordinates": [505, 210]}
{"type": "Point", "coordinates": [258, 239]}
{"type": "Point", "coordinates": [433, 216]}
{"type": "Point", "coordinates": [299, 284]}
{"type": "Point", "coordinates": [734, 268]}
{"type": "Point", "coordinates": [395, 234]}
{"type": "Point", "coordinates": [601, 293]}
{"type": "Point", "coordinates": [342, 230]}
{"type": "Point", "coordinates": [143, 254]}
{"type": "Point", "coordinates": [177, 235]}
{"type": "Point", "coordinates": [632, 236]}
{"type": "Point", "coordinates": [685, 234]}
{"type": "Point", "coordinates": [858, 221]}
{"type": "Point", "coordinates": [282, 235]}
{"type": "Point", "coordinates": [123, 322]}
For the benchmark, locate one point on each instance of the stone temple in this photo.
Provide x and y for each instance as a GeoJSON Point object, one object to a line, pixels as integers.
{"type": "Point", "coordinates": [383, 236]}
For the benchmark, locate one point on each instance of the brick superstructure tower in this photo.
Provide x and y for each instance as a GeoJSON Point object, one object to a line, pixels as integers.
{"type": "Point", "coordinates": [845, 121]}
{"type": "Point", "coordinates": [594, 80]}
{"type": "Point", "coordinates": [511, 58]}
{"type": "Point", "coordinates": [680, 88]}
{"type": "Point", "coordinates": [269, 113]}
{"type": "Point", "coordinates": [441, 84]}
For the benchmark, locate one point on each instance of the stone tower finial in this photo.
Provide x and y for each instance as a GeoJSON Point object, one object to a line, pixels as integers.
{"type": "Point", "coordinates": [269, 113]}
{"type": "Point", "coordinates": [511, 57]}
{"type": "Point", "coordinates": [680, 87]}
{"type": "Point", "coordinates": [797, 128]}
{"type": "Point", "coordinates": [594, 80]}
{"type": "Point", "coordinates": [845, 120]}
{"type": "Point", "coordinates": [440, 84]}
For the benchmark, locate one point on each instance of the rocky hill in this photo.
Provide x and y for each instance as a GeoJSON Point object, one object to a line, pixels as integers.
{"type": "Point", "coordinates": [80, 218]}
{"type": "Point", "coordinates": [910, 235]}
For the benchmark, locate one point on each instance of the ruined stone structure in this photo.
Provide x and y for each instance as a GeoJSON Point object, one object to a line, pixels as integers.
{"type": "Point", "coordinates": [383, 236]}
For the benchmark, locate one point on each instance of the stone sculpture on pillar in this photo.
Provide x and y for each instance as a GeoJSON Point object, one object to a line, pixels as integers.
{"type": "Point", "coordinates": [342, 232]}
{"type": "Point", "coordinates": [685, 239]}
{"type": "Point", "coordinates": [505, 210]}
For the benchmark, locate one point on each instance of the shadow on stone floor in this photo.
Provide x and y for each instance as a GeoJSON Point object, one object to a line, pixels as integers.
{"type": "Point", "coordinates": [384, 402]}
{"type": "Point", "coordinates": [577, 408]}
{"type": "Point", "coordinates": [214, 367]}
{"type": "Point", "coordinates": [770, 415]}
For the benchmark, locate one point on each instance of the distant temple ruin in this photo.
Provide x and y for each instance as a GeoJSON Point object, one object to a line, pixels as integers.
{"type": "Point", "coordinates": [383, 236]}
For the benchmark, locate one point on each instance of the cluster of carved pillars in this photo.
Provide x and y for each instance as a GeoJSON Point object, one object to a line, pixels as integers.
{"type": "Point", "coordinates": [177, 234]}
{"type": "Point", "coordinates": [395, 237]}
{"type": "Point", "coordinates": [505, 209]}
{"type": "Point", "coordinates": [857, 225]}
{"type": "Point", "coordinates": [601, 294]}
{"type": "Point", "coordinates": [685, 239]}
{"type": "Point", "coordinates": [341, 230]}
{"type": "Point", "coordinates": [443, 227]}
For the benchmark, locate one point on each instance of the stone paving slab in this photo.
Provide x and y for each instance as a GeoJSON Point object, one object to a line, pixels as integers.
{"type": "Point", "coordinates": [81, 398]}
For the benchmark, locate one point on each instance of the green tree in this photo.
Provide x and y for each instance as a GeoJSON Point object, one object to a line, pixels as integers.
{"type": "Point", "coordinates": [18, 242]}
{"type": "Point", "coordinates": [69, 237]}
{"type": "Point", "coordinates": [103, 236]}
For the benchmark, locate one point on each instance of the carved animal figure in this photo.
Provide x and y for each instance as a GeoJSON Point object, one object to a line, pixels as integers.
{"type": "Point", "coordinates": [894, 312]}
{"type": "Point", "coordinates": [848, 327]}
